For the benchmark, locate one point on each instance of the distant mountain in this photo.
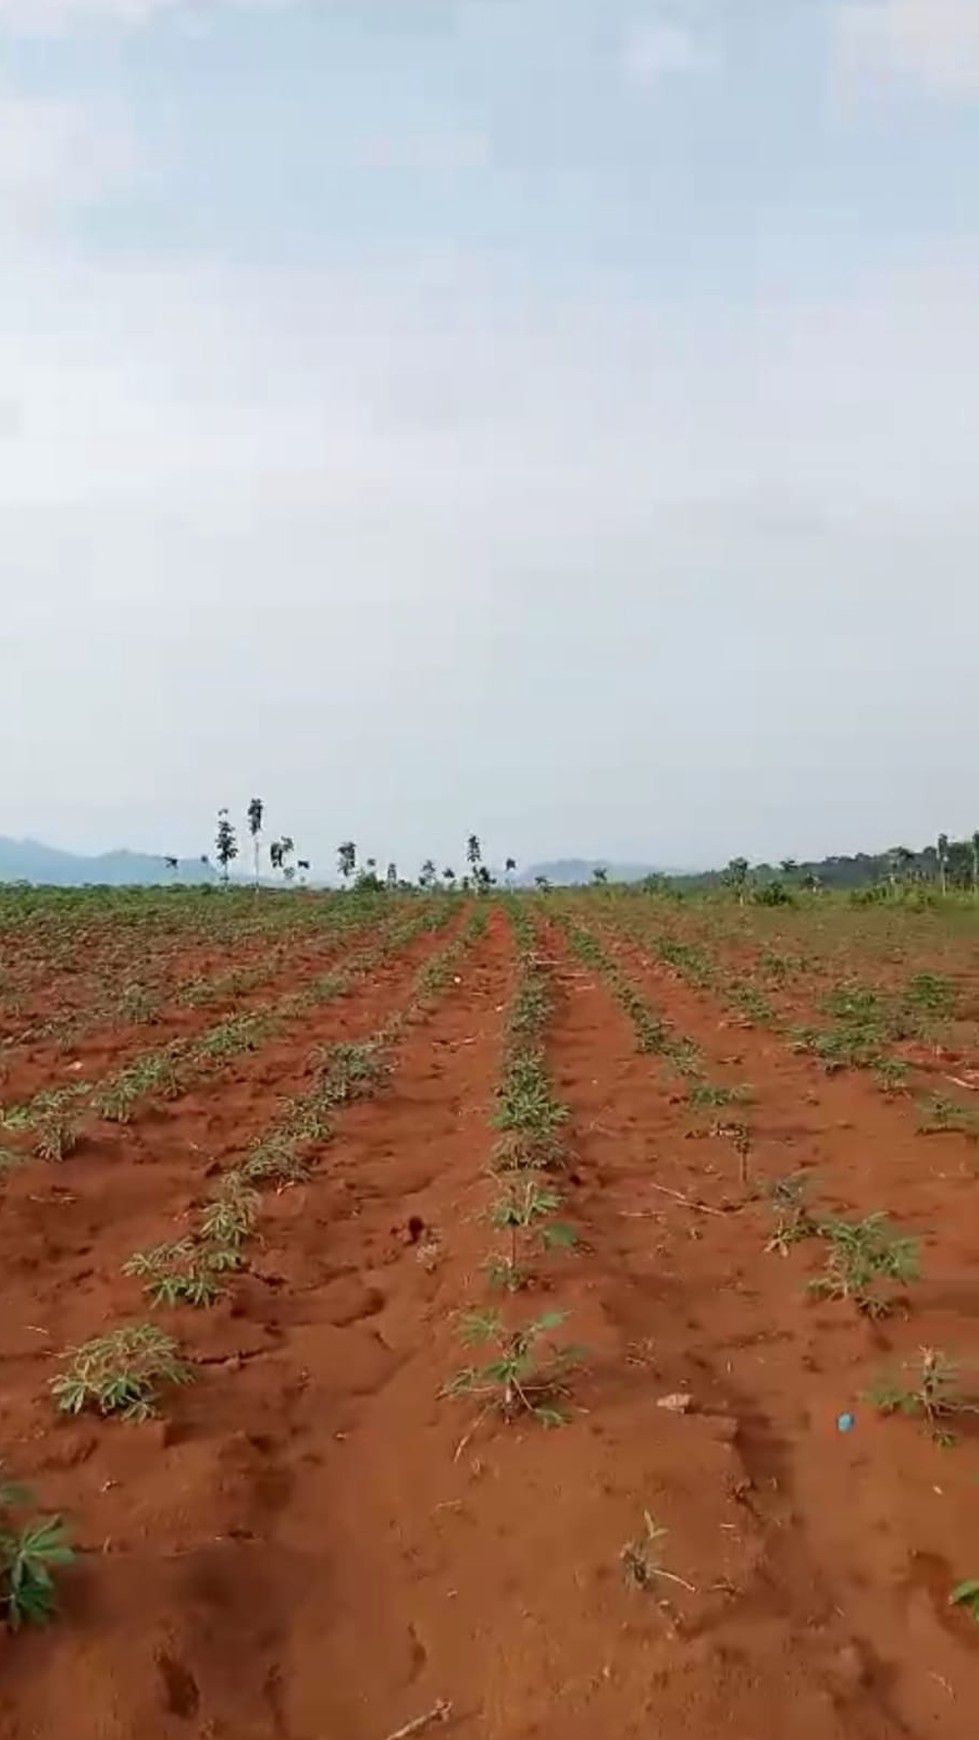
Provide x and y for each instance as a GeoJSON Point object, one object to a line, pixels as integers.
{"type": "Point", "coordinates": [30, 861]}
{"type": "Point", "coordinates": [572, 872]}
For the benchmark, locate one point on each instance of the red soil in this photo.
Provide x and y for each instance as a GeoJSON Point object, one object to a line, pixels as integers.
{"type": "Point", "coordinates": [109, 1046]}
{"type": "Point", "coordinates": [34, 989]}
{"type": "Point", "coordinates": [312, 1545]}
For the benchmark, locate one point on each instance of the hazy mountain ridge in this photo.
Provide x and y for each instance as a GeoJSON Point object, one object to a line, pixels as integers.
{"type": "Point", "coordinates": [573, 872]}
{"type": "Point", "coordinates": [32, 861]}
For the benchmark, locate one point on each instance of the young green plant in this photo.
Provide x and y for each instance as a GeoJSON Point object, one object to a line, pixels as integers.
{"type": "Point", "coordinates": [30, 1551]}
{"type": "Point", "coordinates": [120, 1372]}
{"type": "Point", "coordinates": [524, 1212]}
{"type": "Point", "coordinates": [527, 1372]}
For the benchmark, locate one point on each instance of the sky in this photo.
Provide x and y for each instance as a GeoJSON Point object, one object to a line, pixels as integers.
{"type": "Point", "coordinates": [554, 419]}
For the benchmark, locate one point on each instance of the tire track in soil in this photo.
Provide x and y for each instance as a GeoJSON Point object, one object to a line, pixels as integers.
{"type": "Point", "coordinates": [862, 1533]}
{"type": "Point", "coordinates": [258, 1577]}
{"type": "Point", "coordinates": [66, 1230]}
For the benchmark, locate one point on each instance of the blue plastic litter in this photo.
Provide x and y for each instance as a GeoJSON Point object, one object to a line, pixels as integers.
{"type": "Point", "coordinates": [845, 1422]}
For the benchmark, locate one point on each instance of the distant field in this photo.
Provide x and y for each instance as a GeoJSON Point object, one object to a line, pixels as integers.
{"type": "Point", "coordinates": [538, 1315]}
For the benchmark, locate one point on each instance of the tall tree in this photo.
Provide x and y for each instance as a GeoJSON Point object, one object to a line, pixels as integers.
{"type": "Point", "coordinates": [225, 845]}
{"type": "Point", "coordinates": [474, 853]}
{"type": "Point", "coordinates": [943, 862]}
{"type": "Point", "coordinates": [427, 874]}
{"type": "Point", "coordinates": [347, 859]}
{"type": "Point", "coordinates": [256, 812]}
{"type": "Point", "coordinates": [736, 877]}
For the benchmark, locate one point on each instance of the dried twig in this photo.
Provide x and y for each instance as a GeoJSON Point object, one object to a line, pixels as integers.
{"type": "Point", "coordinates": [701, 1207]}
{"type": "Point", "coordinates": [439, 1712]}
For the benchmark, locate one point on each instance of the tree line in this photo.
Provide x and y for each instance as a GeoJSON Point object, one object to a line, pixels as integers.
{"type": "Point", "coordinates": [362, 875]}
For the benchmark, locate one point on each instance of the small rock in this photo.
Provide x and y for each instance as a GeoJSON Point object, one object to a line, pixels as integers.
{"type": "Point", "coordinates": [676, 1404]}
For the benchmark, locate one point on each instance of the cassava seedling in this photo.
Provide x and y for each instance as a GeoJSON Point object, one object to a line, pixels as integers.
{"type": "Point", "coordinates": [753, 1003]}
{"type": "Point", "coordinates": [935, 1395]}
{"type": "Point", "coordinates": [275, 1158]}
{"type": "Point", "coordinates": [640, 1560]}
{"type": "Point", "coordinates": [739, 1136]}
{"type": "Point", "coordinates": [354, 1071]}
{"type": "Point", "coordinates": [53, 1117]}
{"type": "Point", "coordinates": [793, 1221]}
{"type": "Point", "coordinates": [56, 1135]}
{"type": "Point", "coordinates": [120, 1373]}
{"type": "Point", "coordinates": [892, 1075]}
{"type": "Point", "coordinates": [939, 1113]}
{"type": "Point", "coordinates": [182, 1272]}
{"type": "Point", "coordinates": [864, 1257]}
{"type": "Point", "coordinates": [528, 1115]}
{"type": "Point", "coordinates": [137, 1004]}
{"type": "Point", "coordinates": [967, 1595]}
{"type": "Point", "coordinates": [931, 994]}
{"type": "Point", "coordinates": [710, 1096]}
{"type": "Point", "coordinates": [230, 1219]}
{"type": "Point", "coordinates": [523, 1212]}
{"type": "Point", "coordinates": [528, 1373]}
{"type": "Point", "coordinates": [29, 1553]}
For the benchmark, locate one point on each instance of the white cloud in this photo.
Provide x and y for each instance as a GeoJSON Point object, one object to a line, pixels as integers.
{"type": "Point", "coordinates": [934, 42]}
{"type": "Point", "coordinates": [57, 153]}
{"type": "Point", "coordinates": [445, 542]}
{"type": "Point", "coordinates": [448, 385]}
{"type": "Point", "coordinates": [663, 47]}
{"type": "Point", "coordinates": [41, 17]}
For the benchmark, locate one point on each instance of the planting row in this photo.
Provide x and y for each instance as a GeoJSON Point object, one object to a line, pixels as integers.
{"type": "Point", "coordinates": [126, 1370]}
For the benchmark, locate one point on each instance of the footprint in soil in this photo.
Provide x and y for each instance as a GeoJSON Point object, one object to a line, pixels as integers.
{"type": "Point", "coordinates": [419, 1654]}
{"type": "Point", "coordinates": [180, 1692]}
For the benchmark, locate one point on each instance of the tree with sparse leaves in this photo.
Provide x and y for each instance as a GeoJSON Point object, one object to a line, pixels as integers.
{"type": "Point", "coordinates": [256, 812]}
{"type": "Point", "coordinates": [347, 859]}
{"type": "Point", "coordinates": [225, 845]}
{"type": "Point", "coordinates": [474, 853]}
{"type": "Point", "coordinates": [736, 877]}
{"type": "Point", "coordinates": [279, 852]}
{"type": "Point", "coordinates": [900, 860]}
{"type": "Point", "coordinates": [599, 875]}
{"type": "Point", "coordinates": [427, 874]}
{"type": "Point", "coordinates": [942, 853]}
